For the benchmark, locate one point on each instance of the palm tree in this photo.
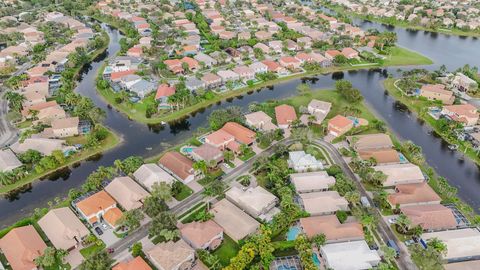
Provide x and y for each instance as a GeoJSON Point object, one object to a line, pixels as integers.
{"type": "Point", "coordinates": [388, 253]}
{"type": "Point", "coordinates": [403, 222]}
{"type": "Point", "coordinates": [353, 197]}
{"type": "Point", "coordinates": [15, 100]}
{"type": "Point", "coordinates": [201, 165]}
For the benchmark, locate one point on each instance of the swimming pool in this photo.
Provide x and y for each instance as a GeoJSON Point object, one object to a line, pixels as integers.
{"type": "Point", "coordinates": [293, 233]}
{"type": "Point", "coordinates": [315, 259]}
{"type": "Point", "coordinates": [187, 149]}
{"type": "Point", "coordinates": [402, 158]}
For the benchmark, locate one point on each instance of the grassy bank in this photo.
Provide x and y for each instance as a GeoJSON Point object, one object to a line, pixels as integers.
{"type": "Point", "coordinates": [403, 24]}
{"type": "Point", "coordinates": [111, 141]}
{"type": "Point", "coordinates": [399, 57]}
{"type": "Point", "coordinates": [420, 108]}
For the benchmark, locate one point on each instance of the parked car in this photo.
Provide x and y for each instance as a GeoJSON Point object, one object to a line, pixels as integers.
{"type": "Point", "coordinates": [98, 230]}
{"type": "Point", "coordinates": [392, 220]}
{"type": "Point", "coordinates": [105, 226]}
{"type": "Point", "coordinates": [393, 245]}
{"type": "Point", "coordinates": [409, 242]}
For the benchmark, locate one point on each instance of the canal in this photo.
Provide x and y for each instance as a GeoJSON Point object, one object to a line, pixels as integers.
{"type": "Point", "coordinates": [452, 51]}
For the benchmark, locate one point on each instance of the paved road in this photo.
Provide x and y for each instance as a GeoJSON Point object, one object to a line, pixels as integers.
{"type": "Point", "coordinates": [8, 134]}
{"type": "Point", "coordinates": [404, 261]}
{"type": "Point", "coordinates": [191, 201]}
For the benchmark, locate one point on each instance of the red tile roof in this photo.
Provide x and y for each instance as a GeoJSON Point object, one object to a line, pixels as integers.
{"type": "Point", "coordinates": [285, 114]}
{"type": "Point", "coordinates": [164, 90]}
{"type": "Point", "coordinates": [241, 133]}
{"type": "Point", "coordinates": [177, 164]}
{"type": "Point", "coordinates": [118, 75]}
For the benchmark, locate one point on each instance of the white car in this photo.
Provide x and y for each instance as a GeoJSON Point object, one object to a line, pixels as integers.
{"type": "Point", "coordinates": [392, 220]}
{"type": "Point", "coordinates": [105, 227]}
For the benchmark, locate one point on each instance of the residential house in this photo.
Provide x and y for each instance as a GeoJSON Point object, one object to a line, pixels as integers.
{"type": "Point", "coordinates": [136, 264]}
{"type": "Point", "coordinates": [289, 62]}
{"type": "Point", "coordinates": [230, 136]}
{"type": "Point", "coordinates": [463, 113]}
{"type": "Point", "coordinates": [350, 53]}
{"type": "Point", "coordinates": [208, 153]}
{"type": "Point", "coordinates": [378, 141]}
{"type": "Point", "coordinates": [320, 59]}
{"type": "Point", "coordinates": [359, 255]}
{"type": "Point", "coordinates": [319, 109]}
{"type": "Point", "coordinates": [226, 35]}
{"type": "Point", "coordinates": [235, 223]}
{"type": "Point", "coordinates": [323, 203]}
{"type": "Point", "coordinates": [264, 48]}
{"type": "Point", "coordinates": [65, 127]}
{"type": "Point", "coordinates": [256, 201]}
{"type": "Point", "coordinates": [211, 80]}
{"type": "Point", "coordinates": [312, 181]}
{"type": "Point", "coordinates": [149, 174]}
{"type": "Point", "coordinates": [273, 66]}
{"type": "Point", "coordinates": [206, 235]}
{"type": "Point", "coordinates": [258, 67]}
{"type": "Point", "coordinates": [463, 83]}
{"type": "Point", "coordinates": [304, 42]}
{"type": "Point", "coordinates": [32, 98]}
{"type": "Point", "coordinates": [331, 227]}
{"type": "Point", "coordinates": [42, 145]}
{"type": "Point", "coordinates": [381, 156]}
{"type": "Point", "coordinates": [276, 46]}
{"type": "Point", "coordinates": [302, 162]}
{"type": "Point", "coordinates": [164, 91]}
{"type": "Point", "coordinates": [99, 207]}
{"type": "Point", "coordinates": [21, 246]}
{"type": "Point", "coordinates": [431, 217]}
{"type": "Point", "coordinates": [413, 194]}
{"type": "Point", "coordinates": [437, 92]}
{"type": "Point", "coordinates": [339, 125]}
{"type": "Point", "coordinates": [63, 228]}
{"type": "Point", "coordinates": [260, 121]}
{"type": "Point", "coordinates": [461, 245]}
{"type": "Point", "coordinates": [228, 75]}
{"type": "Point", "coordinates": [172, 256]}
{"type": "Point", "coordinates": [330, 54]}
{"type": "Point", "coordinates": [263, 35]}
{"type": "Point", "coordinates": [207, 60]}
{"type": "Point", "coordinates": [127, 192]}
{"type": "Point", "coordinates": [193, 84]}
{"type": "Point", "coordinates": [142, 88]}
{"type": "Point", "coordinates": [178, 165]}
{"type": "Point", "coordinates": [245, 73]}
{"type": "Point", "coordinates": [285, 115]}
{"type": "Point", "coordinates": [135, 52]}
{"type": "Point", "coordinates": [398, 174]}
{"type": "Point", "coordinates": [8, 161]}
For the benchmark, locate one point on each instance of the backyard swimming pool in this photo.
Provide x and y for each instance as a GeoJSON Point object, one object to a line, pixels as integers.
{"type": "Point", "coordinates": [316, 260]}
{"type": "Point", "coordinates": [293, 233]}
{"type": "Point", "coordinates": [187, 149]}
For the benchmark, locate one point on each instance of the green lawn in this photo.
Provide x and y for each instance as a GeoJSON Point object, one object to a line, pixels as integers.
{"type": "Point", "coordinates": [111, 141]}
{"type": "Point", "coordinates": [212, 175]}
{"type": "Point", "coordinates": [404, 57]}
{"type": "Point", "coordinates": [227, 250]}
{"type": "Point", "coordinates": [247, 155]}
{"type": "Point", "coordinates": [184, 193]}
{"type": "Point", "coordinates": [86, 252]}
{"type": "Point", "coordinates": [25, 124]}
{"type": "Point", "coordinates": [190, 216]}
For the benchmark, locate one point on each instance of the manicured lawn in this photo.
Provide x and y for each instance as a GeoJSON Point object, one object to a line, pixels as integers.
{"type": "Point", "coordinates": [190, 217]}
{"type": "Point", "coordinates": [111, 141]}
{"type": "Point", "coordinates": [76, 140]}
{"type": "Point", "coordinates": [86, 252]}
{"type": "Point", "coordinates": [227, 250]}
{"type": "Point", "coordinates": [404, 57]}
{"type": "Point", "coordinates": [212, 175]}
{"type": "Point", "coordinates": [248, 155]}
{"type": "Point", "coordinates": [184, 193]}
{"type": "Point", "coordinates": [24, 124]}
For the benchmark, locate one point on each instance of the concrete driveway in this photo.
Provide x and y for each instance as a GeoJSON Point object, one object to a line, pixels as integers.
{"type": "Point", "coordinates": [74, 258]}
{"type": "Point", "coordinates": [108, 237]}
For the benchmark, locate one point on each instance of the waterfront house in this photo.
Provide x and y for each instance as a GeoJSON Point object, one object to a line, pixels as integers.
{"type": "Point", "coordinates": [256, 201]}
{"type": "Point", "coordinates": [172, 255]}
{"type": "Point", "coordinates": [127, 192]}
{"type": "Point", "coordinates": [463, 83]}
{"type": "Point", "coordinates": [285, 115]}
{"type": "Point", "coordinates": [65, 127]}
{"type": "Point", "coordinates": [260, 121]}
{"type": "Point", "coordinates": [302, 162]}
{"type": "Point", "coordinates": [206, 235]}
{"type": "Point", "coordinates": [149, 174]}
{"type": "Point", "coordinates": [462, 244]}
{"type": "Point", "coordinates": [99, 207]}
{"type": "Point", "coordinates": [42, 145]}
{"type": "Point", "coordinates": [208, 153]}
{"type": "Point", "coordinates": [8, 161]}
{"type": "Point", "coordinates": [398, 174]}
{"type": "Point", "coordinates": [289, 62]}
{"type": "Point", "coordinates": [228, 75]}
{"type": "Point", "coordinates": [178, 165]}
{"type": "Point", "coordinates": [245, 73]}
{"type": "Point", "coordinates": [381, 156]}
{"type": "Point", "coordinates": [431, 217]}
{"type": "Point", "coordinates": [312, 181]}
{"type": "Point", "coordinates": [21, 246]}
{"type": "Point", "coordinates": [413, 194]}
{"type": "Point", "coordinates": [330, 54]}
{"type": "Point", "coordinates": [377, 141]}
{"type": "Point", "coordinates": [273, 66]}
{"type": "Point", "coordinates": [319, 109]}
{"type": "Point", "coordinates": [235, 223]}
{"type": "Point", "coordinates": [230, 136]}
{"type": "Point", "coordinates": [350, 53]}
{"type": "Point", "coordinates": [463, 113]}
{"type": "Point", "coordinates": [211, 80]}
{"type": "Point", "coordinates": [359, 255]}
{"type": "Point", "coordinates": [323, 203]}
{"type": "Point", "coordinates": [164, 91]}
{"type": "Point", "coordinates": [258, 67]}
{"type": "Point", "coordinates": [339, 125]}
{"type": "Point", "coordinates": [437, 92]}
{"type": "Point", "coordinates": [63, 228]}
{"type": "Point", "coordinates": [331, 227]}
{"type": "Point", "coordinates": [193, 84]}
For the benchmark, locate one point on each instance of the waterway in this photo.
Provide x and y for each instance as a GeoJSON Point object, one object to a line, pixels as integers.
{"type": "Point", "coordinates": [452, 51]}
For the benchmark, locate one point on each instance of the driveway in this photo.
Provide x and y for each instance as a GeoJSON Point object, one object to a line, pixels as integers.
{"type": "Point", "coordinates": [108, 237]}
{"type": "Point", "coordinates": [74, 257]}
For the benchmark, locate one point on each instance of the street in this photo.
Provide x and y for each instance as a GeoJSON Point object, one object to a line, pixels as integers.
{"type": "Point", "coordinates": [8, 134]}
